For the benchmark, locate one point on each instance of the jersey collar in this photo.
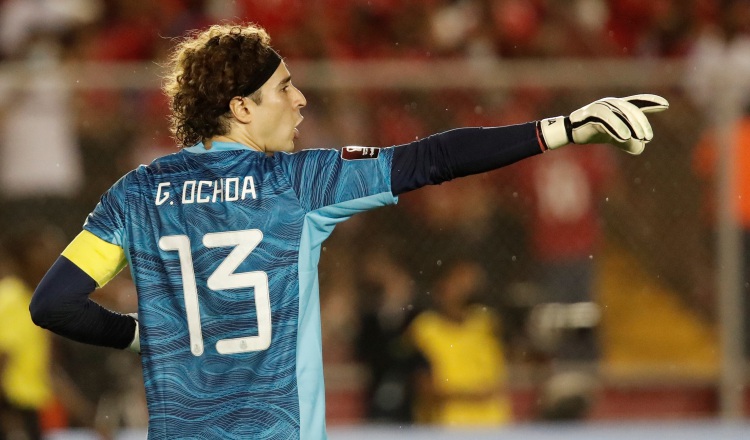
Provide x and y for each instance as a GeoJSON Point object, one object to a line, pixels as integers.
{"type": "Point", "coordinates": [199, 148]}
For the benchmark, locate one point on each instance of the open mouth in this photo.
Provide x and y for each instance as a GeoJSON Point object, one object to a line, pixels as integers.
{"type": "Point", "coordinates": [296, 130]}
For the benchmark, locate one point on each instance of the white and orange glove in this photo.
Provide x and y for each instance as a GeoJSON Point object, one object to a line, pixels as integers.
{"type": "Point", "coordinates": [621, 122]}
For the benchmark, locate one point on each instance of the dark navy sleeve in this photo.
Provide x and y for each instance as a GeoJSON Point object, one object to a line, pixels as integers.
{"type": "Point", "coordinates": [461, 152]}
{"type": "Point", "coordinates": [61, 304]}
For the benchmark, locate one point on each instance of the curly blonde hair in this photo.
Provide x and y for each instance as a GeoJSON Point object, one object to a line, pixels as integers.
{"type": "Point", "coordinates": [206, 70]}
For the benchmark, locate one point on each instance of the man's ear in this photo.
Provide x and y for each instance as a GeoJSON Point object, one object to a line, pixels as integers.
{"type": "Point", "coordinates": [240, 109]}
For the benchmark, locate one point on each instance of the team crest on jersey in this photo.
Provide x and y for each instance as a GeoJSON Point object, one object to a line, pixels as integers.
{"type": "Point", "coordinates": [356, 153]}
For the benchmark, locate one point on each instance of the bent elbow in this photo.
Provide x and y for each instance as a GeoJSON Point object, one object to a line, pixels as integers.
{"type": "Point", "coordinates": [60, 295]}
{"type": "Point", "coordinates": [40, 310]}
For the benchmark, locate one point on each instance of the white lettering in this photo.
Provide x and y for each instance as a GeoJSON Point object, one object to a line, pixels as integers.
{"type": "Point", "coordinates": [200, 189]}
{"type": "Point", "coordinates": [248, 187]}
{"type": "Point", "coordinates": [232, 181]}
{"type": "Point", "coordinates": [161, 194]}
{"type": "Point", "coordinates": [218, 190]}
{"type": "Point", "coordinates": [191, 185]}
{"type": "Point", "coordinates": [210, 191]}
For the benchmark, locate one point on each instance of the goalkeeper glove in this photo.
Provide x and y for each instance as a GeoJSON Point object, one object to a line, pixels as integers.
{"type": "Point", "coordinates": [618, 121]}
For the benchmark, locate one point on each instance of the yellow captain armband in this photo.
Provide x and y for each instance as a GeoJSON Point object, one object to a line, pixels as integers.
{"type": "Point", "coordinates": [99, 259]}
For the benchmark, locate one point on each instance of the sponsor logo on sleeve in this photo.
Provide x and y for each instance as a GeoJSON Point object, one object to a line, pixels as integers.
{"type": "Point", "coordinates": [357, 153]}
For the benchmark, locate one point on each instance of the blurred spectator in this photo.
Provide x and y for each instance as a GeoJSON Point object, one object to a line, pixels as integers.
{"type": "Point", "coordinates": [705, 162]}
{"type": "Point", "coordinates": [461, 219]}
{"type": "Point", "coordinates": [458, 28]}
{"type": "Point", "coordinates": [180, 16]}
{"type": "Point", "coordinates": [566, 396]}
{"type": "Point", "coordinates": [374, 29]}
{"type": "Point", "coordinates": [40, 388]}
{"type": "Point", "coordinates": [388, 307]}
{"type": "Point", "coordinates": [517, 25]}
{"type": "Point", "coordinates": [128, 31]}
{"type": "Point", "coordinates": [718, 82]}
{"type": "Point", "coordinates": [22, 21]}
{"type": "Point", "coordinates": [466, 380]}
{"type": "Point", "coordinates": [670, 30]}
{"type": "Point", "coordinates": [40, 163]}
{"type": "Point", "coordinates": [561, 199]}
{"type": "Point", "coordinates": [719, 62]}
{"type": "Point", "coordinates": [563, 194]}
{"type": "Point", "coordinates": [293, 23]}
{"type": "Point", "coordinates": [628, 24]}
{"type": "Point", "coordinates": [25, 382]}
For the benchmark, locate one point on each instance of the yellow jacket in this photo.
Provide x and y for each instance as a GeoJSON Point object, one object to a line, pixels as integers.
{"type": "Point", "coordinates": [25, 380]}
{"type": "Point", "coordinates": [465, 358]}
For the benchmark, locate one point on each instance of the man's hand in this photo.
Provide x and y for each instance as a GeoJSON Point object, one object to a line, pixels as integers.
{"type": "Point", "coordinates": [618, 121]}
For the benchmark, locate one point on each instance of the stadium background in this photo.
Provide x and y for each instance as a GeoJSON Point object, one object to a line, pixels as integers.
{"type": "Point", "coordinates": [80, 105]}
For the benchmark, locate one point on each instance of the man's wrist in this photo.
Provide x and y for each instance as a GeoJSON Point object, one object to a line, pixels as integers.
{"type": "Point", "coordinates": [554, 133]}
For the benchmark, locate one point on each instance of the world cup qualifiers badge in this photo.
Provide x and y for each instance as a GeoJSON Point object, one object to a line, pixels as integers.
{"type": "Point", "coordinates": [357, 153]}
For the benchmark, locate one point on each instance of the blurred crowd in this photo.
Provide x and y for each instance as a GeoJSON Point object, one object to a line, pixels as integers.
{"type": "Point", "coordinates": [503, 265]}
{"type": "Point", "coordinates": [119, 30]}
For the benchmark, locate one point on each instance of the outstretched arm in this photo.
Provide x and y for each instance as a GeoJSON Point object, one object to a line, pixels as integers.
{"type": "Point", "coordinates": [461, 152]}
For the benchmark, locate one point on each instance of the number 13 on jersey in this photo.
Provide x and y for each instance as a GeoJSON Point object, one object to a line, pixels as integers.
{"type": "Point", "coordinates": [224, 277]}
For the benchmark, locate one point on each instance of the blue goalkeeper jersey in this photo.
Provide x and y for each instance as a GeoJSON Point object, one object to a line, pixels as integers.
{"type": "Point", "coordinates": [223, 247]}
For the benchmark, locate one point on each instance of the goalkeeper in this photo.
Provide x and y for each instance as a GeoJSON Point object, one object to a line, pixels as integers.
{"type": "Point", "coordinates": [223, 238]}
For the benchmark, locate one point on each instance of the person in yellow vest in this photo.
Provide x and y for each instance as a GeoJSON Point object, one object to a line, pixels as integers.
{"type": "Point", "coordinates": [466, 382]}
{"type": "Point", "coordinates": [25, 349]}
